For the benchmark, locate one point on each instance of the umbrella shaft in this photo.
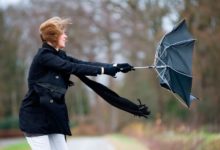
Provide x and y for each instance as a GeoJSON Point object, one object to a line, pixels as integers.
{"type": "Point", "coordinates": [144, 67]}
{"type": "Point", "coordinates": [149, 67]}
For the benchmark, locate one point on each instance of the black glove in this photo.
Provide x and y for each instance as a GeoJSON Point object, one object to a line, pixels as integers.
{"type": "Point", "coordinates": [125, 67]}
{"type": "Point", "coordinates": [143, 110]}
{"type": "Point", "coordinates": [111, 71]}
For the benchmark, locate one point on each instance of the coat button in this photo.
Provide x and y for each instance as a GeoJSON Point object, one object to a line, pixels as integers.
{"type": "Point", "coordinates": [57, 77]}
{"type": "Point", "coordinates": [51, 101]}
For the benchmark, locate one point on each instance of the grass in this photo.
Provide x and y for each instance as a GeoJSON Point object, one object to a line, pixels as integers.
{"type": "Point", "coordinates": [18, 146]}
{"type": "Point", "coordinates": [182, 137]}
{"type": "Point", "coordinates": [196, 140]}
{"type": "Point", "coordinates": [123, 142]}
{"type": "Point", "coordinates": [211, 141]}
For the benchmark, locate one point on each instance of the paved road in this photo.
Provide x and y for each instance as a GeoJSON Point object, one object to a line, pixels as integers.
{"type": "Point", "coordinates": [89, 143]}
{"type": "Point", "coordinates": [5, 142]}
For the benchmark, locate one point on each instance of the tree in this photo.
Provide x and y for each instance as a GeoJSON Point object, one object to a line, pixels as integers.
{"type": "Point", "coordinates": [12, 71]}
{"type": "Point", "coordinates": [203, 18]}
{"type": "Point", "coordinates": [141, 29]}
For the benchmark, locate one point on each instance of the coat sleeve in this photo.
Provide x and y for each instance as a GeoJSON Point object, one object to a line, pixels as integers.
{"type": "Point", "coordinates": [51, 61]}
{"type": "Point", "coordinates": [97, 64]}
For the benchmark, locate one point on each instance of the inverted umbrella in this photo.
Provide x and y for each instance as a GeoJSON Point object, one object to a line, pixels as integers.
{"type": "Point", "coordinates": [173, 62]}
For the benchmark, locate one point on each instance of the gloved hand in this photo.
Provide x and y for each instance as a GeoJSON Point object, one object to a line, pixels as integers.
{"type": "Point", "coordinates": [124, 67]}
{"type": "Point", "coordinates": [110, 71]}
{"type": "Point", "coordinates": [143, 110]}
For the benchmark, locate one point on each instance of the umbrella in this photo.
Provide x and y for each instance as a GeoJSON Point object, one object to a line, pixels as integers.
{"type": "Point", "coordinates": [173, 63]}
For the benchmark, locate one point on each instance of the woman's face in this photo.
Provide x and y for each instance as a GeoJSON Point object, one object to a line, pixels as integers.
{"type": "Point", "coordinates": [62, 40]}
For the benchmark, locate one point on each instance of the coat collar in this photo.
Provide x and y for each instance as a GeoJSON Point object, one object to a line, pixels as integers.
{"type": "Point", "coordinates": [51, 48]}
{"type": "Point", "coordinates": [47, 46]}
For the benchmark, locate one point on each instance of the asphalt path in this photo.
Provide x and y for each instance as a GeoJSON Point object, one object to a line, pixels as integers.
{"type": "Point", "coordinates": [9, 141]}
{"type": "Point", "coordinates": [89, 143]}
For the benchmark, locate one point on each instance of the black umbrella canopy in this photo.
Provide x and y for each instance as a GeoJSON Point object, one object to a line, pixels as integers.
{"type": "Point", "coordinates": [173, 62]}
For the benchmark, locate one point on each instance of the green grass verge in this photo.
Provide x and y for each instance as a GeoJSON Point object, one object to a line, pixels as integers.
{"type": "Point", "coordinates": [197, 140]}
{"type": "Point", "coordinates": [123, 142]}
{"type": "Point", "coordinates": [18, 146]}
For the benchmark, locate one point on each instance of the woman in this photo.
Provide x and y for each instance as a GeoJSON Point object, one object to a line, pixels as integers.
{"type": "Point", "coordinates": [43, 113]}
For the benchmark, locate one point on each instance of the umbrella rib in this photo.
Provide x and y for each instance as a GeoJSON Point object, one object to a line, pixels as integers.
{"type": "Point", "coordinates": [158, 58]}
{"type": "Point", "coordinates": [177, 43]}
{"type": "Point", "coordinates": [157, 54]}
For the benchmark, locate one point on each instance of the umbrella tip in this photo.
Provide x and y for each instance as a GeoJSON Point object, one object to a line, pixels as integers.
{"type": "Point", "coordinates": [191, 99]}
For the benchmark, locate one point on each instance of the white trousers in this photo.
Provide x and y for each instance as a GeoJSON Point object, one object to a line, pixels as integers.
{"type": "Point", "coordinates": [48, 142]}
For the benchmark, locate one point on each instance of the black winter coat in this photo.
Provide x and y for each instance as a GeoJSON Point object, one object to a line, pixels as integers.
{"type": "Point", "coordinates": [43, 110]}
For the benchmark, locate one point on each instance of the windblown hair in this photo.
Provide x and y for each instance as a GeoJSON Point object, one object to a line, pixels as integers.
{"type": "Point", "coordinates": [51, 29]}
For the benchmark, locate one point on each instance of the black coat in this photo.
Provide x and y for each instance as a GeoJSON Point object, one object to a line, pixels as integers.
{"type": "Point", "coordinates": [43, 110]}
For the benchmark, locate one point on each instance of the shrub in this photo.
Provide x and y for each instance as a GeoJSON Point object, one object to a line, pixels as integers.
{"type": "Point", "coordinates": [9, 123]}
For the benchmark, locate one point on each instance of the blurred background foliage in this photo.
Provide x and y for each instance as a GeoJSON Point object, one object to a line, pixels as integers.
{"type": "Point", "coordinates": [114, 31]}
